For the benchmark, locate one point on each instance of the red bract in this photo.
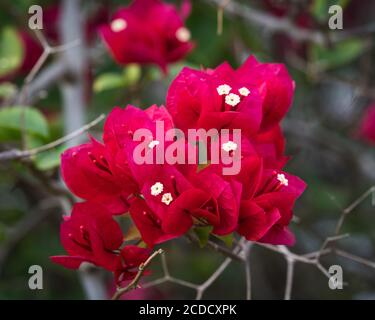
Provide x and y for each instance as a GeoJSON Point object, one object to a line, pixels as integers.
{"type": "Point", "coordinates": [271, 145]}
{"type": "Point", "coordinates": [173, 203]}
{"type": "Point", "coordinates": [252, 98]}
{"type": "Point", "coordinates": [91, 235]}
{"type": "Point", "coordinates": [367, 127]}
{"type": "Point", "coordinates": [148, 32]}
{"type": "Point", "coordinates": [87, 172]}
{"type": "Point", "coordinates": [266, 209]}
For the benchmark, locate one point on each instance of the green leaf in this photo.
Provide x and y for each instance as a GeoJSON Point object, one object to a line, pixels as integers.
{"type": "Point", "coordinates": [13, 119]}
{"type": "Point", "coordinates": [111, 80]}
{"type": "Point", "coordinates": [203, 234]}
{"type": "Point", "coordinates": [11, 51]}
{"type": "Point", "coordinates": [50, 159]}
{"type": "Point", "coordinates": [228, 239]}
{"type": "Point", "coordinates": [341, 54]}
{"type": "Point", "coordinates": [131, 74]}
{"type": "Point", "coordinates": [142, 244]}
{"type": "Point", "coordinates": [7, 89]}
{"type": "Point", "coordinates": [132, 234]}
{"type": "Point", "coordinates": [108, 81]}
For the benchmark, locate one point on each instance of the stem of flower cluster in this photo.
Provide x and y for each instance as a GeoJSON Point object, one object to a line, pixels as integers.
{"type": "Point", "coordinates": [134, 283]}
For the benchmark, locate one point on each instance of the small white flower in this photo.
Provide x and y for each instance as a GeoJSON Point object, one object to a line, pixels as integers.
{"type": "Point", "coordinates": [167, 198]}
{"type": "Point", "coordinates": [282, 179]}
{"type": "Point", "coordinates": [153, 144]}
{"type": "Point", "coordinates": [223, 89]}
{"type": "Point", "coordinates": [157, 189]}
{"type": "Point", "coordinates": [118, 25]}
{"type": "Point", "coordinates": [183, 34]}
{"type": "Point", "coordinates": [229, 146]}
{"type": "Point", "coordinates": [232, 99]}
{"type": "Point", "coordinates": [244, 91]}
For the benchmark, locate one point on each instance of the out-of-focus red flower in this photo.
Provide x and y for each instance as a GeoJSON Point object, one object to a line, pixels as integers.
{"type": "Point", "coordinates": [254, 97]}
{"type": "Point", "coordinates": [367, 126]}
{"type": "Point", "coordinates": [148, 32]}
{"type": "Point", "coordinates": [301, 17]}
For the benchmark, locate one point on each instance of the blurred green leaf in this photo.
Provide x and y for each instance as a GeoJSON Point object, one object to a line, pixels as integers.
{"type": "Point", "coordinates": [111, 80]}
{"type": "Point", "coordinates": [131, 74]}
{"type": "Point", "coordinates": [12, 119]}
{"type": "Point", "coordinates": [11, 51]}
{"type": "Point", "coordinates": [132, 234]}
{"type": "Point", "coordinates": [341, 54]}
{"type": "Point", "coordinates": [49, 159]}
{"type": "Point", "coordinates": [7, 89]}
{"type": "Point", "coordinates": [228, 239]}
{"type": "Point", "coordinates": [108, 81]}
{"type": "Point", "coordinates": [203, 234]}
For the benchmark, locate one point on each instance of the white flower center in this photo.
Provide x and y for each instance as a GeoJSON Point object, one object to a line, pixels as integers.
{"type": "Point", "coordinates": [232, 99]}
{"type": "Point", "coordinates": [282, 179]}
{"type": "Point", "coordinates": [223, 89]}
{"type": "Point", "coordinates": [118, 25]}
{"type": "Point", "coordinates": [153, 144]}
{"type": "Point", "coordinates": [183, 34]}
{"type": "Point", "coordinates": [167, 198]}
{"type": "Point", "coordinates": [157, 188]}
{"type": "Point", "coordinates": [229, 146]}
{"type": "Point", "coordinates": [244, 91]}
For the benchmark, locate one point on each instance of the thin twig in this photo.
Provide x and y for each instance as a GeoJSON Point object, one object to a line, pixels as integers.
{"type": "Point", "coordinates": [220, 14]}
{"type": "Point", "coordinates": [18, 154]}
{"type": "Point", "coordinates": [134, 283]}
{"type": "Point", "coordinates": [247, 250]}
{"type": "Point", "coordinates": [355, 258]}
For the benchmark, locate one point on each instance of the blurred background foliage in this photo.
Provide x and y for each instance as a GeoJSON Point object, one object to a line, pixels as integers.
{"type": "Point", "coordinates": [334, 85]}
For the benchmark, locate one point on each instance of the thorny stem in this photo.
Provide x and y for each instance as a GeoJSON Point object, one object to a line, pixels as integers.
{"type": "Point", "coordinates": [134, 283]}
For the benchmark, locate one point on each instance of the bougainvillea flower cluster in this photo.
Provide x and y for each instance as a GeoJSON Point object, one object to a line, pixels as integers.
{"type": "Point", "coordinates": [167, 201]}
{"type": "Point", "coordinates": [148, 32]}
